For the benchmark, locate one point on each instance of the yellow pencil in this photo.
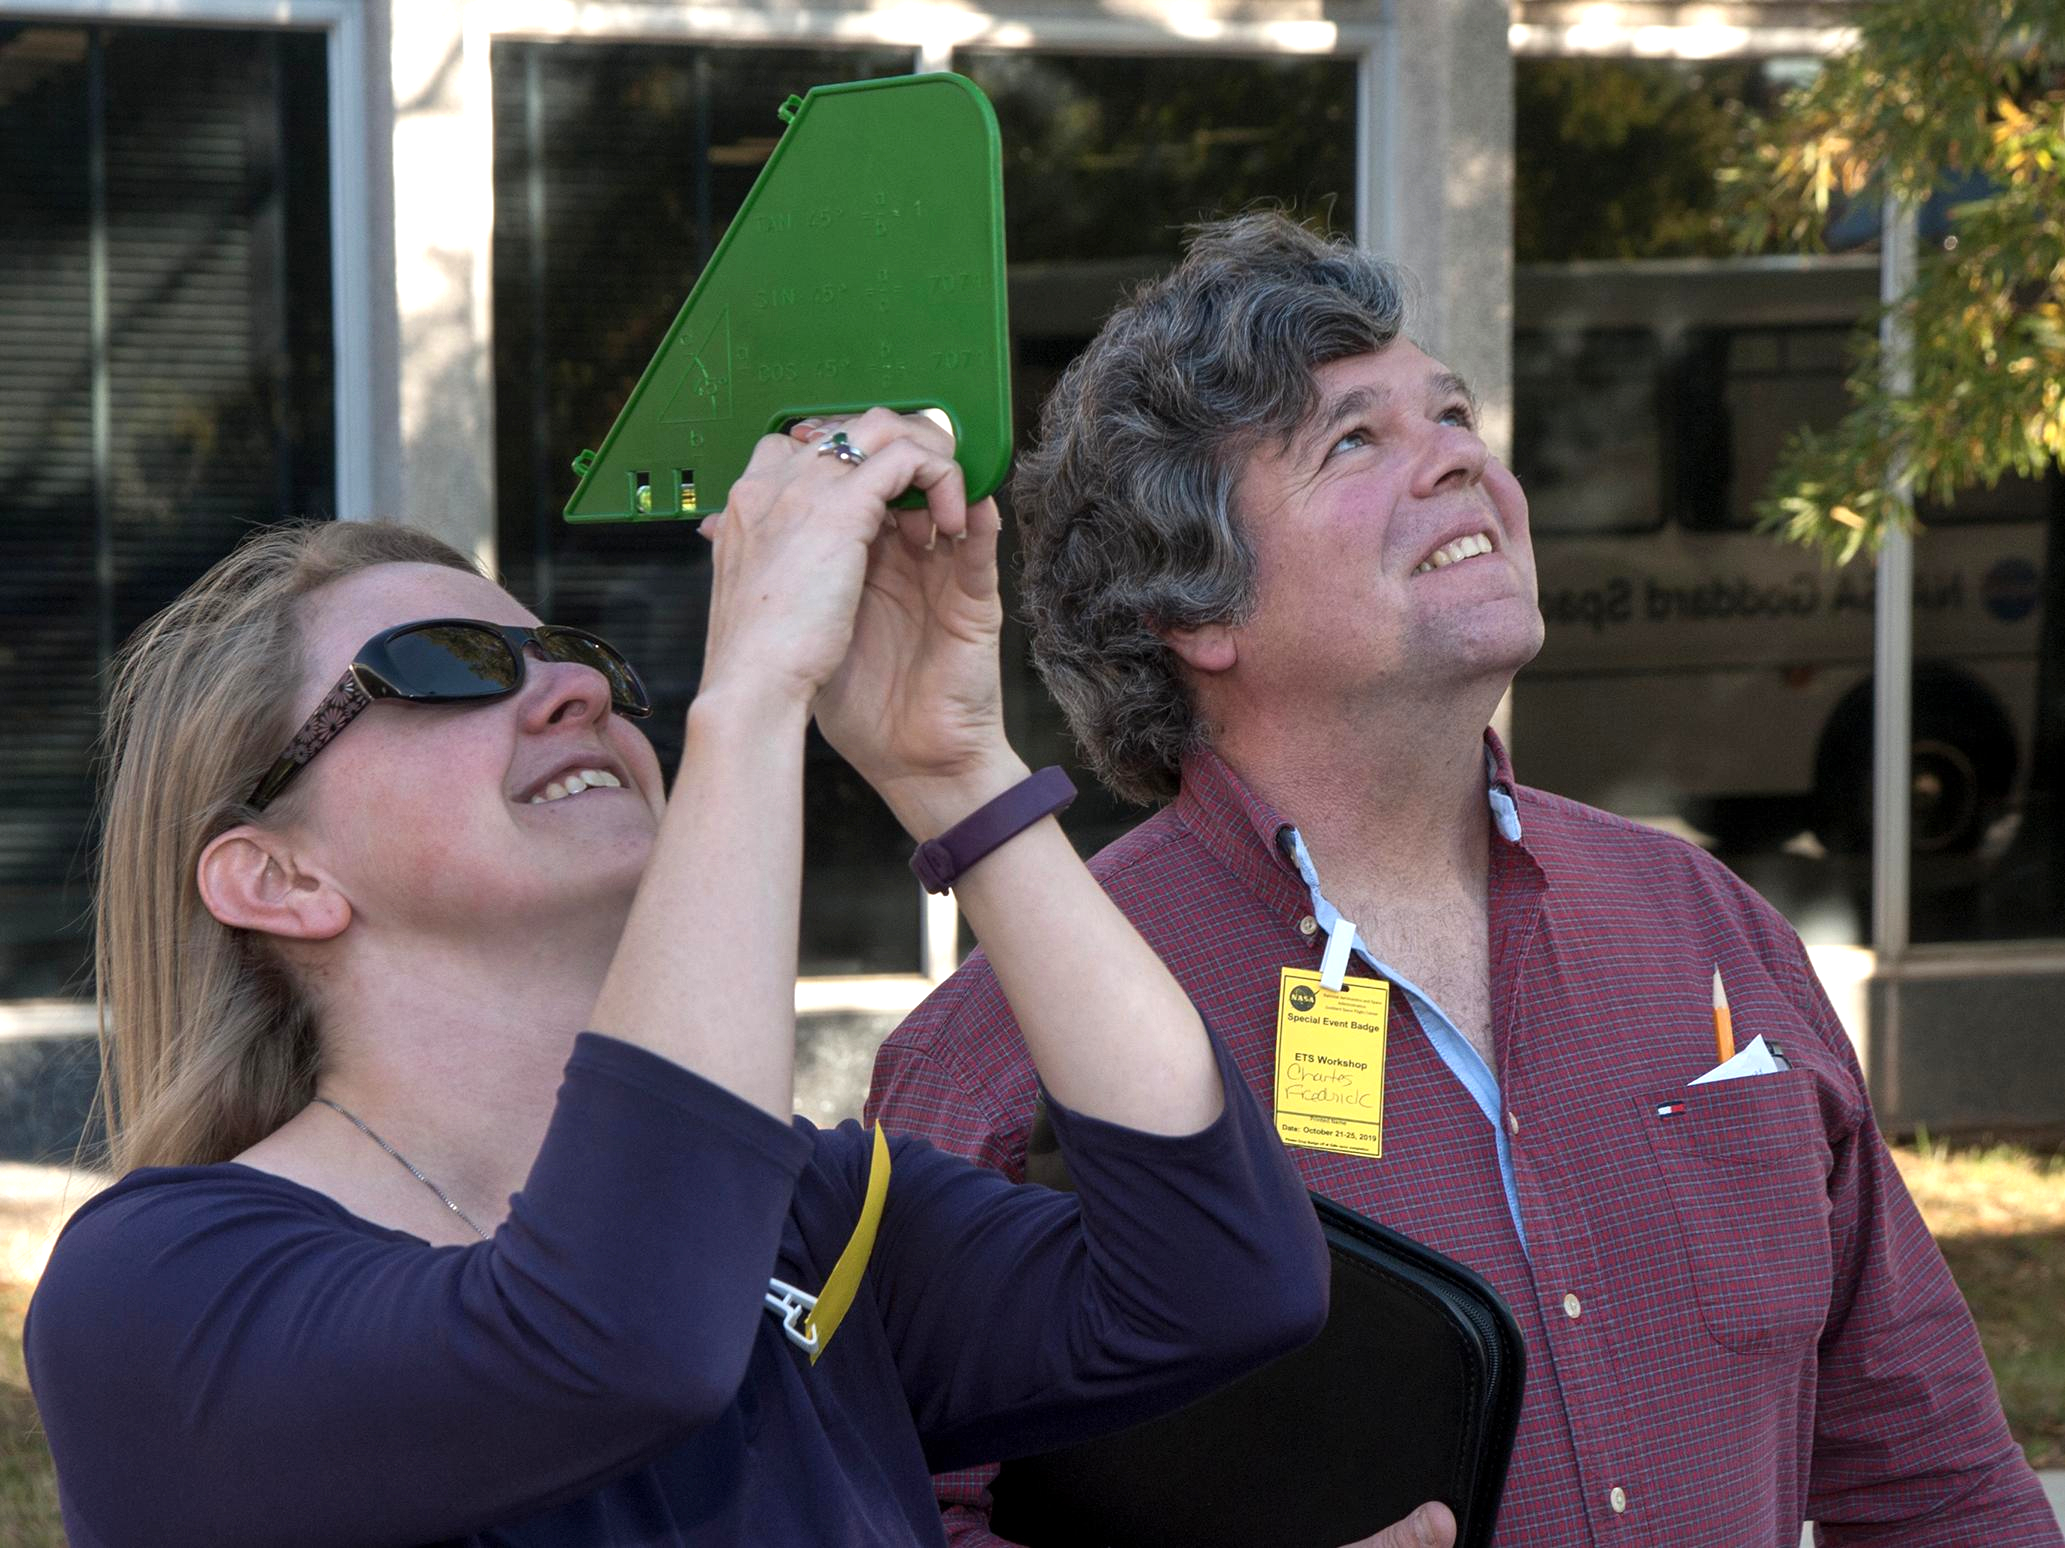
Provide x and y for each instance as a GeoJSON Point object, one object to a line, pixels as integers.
{"type": "Point", "coordinates": [1724, 1024]}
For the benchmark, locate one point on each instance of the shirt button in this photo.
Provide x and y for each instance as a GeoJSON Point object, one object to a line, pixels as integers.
{"type": "Point", "coordinates": [1573, 1308]}
{"type": "Point", "coordinates": [1308, 927]}
{"type": "Point", "coordinates": [1512, 1124]}
{"type": "Point", "coordinates": [1617, 1497]}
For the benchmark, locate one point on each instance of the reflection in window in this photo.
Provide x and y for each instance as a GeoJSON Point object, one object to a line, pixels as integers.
{"type": "Point", "coordinates": [1698, 675]}
{"type": "Point", "coordinates": [1615, 158]}
{"type": "Point", "coordinates": [617, 168]}
{"type": "Point", "coordinates": [183, 176]}
{"type": "Point", "coordinates": [1110, 156]}
{"type": "Point", "coordinates": [1587, 436]}
{"type": "Point", "coordinates": [1989, 741]}
{"type": "Point", "coordinates": [1704, 676]}
{"type": "Point", "coordinates": [2013, 498]}
{"type": "Point", "coordinates": [1106, 159]}
{"type": "Point", "coordinates": [1775, 382]}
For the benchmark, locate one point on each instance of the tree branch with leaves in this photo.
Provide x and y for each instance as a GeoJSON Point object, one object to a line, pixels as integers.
{"type": "Point", "coordinates": [1937, 94]}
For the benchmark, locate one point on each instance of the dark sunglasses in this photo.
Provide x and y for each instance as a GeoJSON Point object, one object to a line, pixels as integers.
{"type": "Point", "coordinates": [447, 661]}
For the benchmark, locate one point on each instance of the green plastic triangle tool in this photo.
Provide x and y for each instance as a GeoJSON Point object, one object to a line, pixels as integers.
{"type": "Point", "coordinates": [865, 267]}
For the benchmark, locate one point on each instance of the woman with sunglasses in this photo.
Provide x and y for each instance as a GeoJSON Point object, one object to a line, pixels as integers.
{"type": "Point", "coordinates": [403, 1255]}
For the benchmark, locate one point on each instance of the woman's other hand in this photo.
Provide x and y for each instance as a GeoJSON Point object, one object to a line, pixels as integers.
{"type": "Point", "coordinates": [1431, 1526]}
{"type": "Point", "coordinates": [917, 705]}
{"type": "Point", "coordinates": [790, 551]}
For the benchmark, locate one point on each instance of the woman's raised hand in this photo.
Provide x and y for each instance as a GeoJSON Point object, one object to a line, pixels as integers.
{"type": "Point", "coordinates": [914, 703]}
{"type": "Point", "coordinates": [917, 706]}
{"type": "Point", "coordinates": [792, 548]}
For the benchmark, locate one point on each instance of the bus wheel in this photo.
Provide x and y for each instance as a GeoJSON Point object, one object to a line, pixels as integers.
{"type": "Point", "coordinates": [1962, 766]}
{"type": "Point", "coordinates": [1947, 798]}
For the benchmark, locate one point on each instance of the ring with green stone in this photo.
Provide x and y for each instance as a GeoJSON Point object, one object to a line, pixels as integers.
{"type": "Point", "coordinates": [837, 445]}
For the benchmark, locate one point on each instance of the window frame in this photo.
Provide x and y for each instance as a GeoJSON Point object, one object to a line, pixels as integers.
{"type": "Point", "coordinates": [343, 25]}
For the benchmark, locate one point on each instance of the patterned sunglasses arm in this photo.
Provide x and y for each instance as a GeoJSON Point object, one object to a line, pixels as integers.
{"type": "Point", "coordinates": [340, 707]}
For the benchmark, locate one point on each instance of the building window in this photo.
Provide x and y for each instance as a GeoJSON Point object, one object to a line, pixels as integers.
{"type": "Point", "coordinates": [1109, 156]}
{"type": "Point", "coordinates": [1656, 374]}
{"type": "Point", "coordinates": [1614, 158]}
{"type": "Point", "coordinates": [617, 168]}
{"type": "Point", "coordinates": [165, 381]}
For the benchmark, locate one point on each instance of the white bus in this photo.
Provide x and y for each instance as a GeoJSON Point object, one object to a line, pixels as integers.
{"type": "Point", "coordinates": [1696, 667]}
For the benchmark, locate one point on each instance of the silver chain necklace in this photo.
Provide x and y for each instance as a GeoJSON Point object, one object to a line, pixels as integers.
{"type": "Point", "coordinates": [407, 1165]}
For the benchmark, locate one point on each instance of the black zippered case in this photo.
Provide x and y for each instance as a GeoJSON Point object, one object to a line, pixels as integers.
{"type": "Point", "coordinates": [1410, 1393]}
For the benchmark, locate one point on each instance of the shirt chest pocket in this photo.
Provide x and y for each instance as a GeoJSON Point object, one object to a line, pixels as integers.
{"type": "Point", "coordinates": [1744, 1165]}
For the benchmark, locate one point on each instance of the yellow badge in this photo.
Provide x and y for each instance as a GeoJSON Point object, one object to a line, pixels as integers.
{"type": "Point", "coordinates": [1330, 1063]}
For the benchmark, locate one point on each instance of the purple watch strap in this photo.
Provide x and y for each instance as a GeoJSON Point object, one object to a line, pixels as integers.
{"type": "Point", "coordinates": [940, 860]}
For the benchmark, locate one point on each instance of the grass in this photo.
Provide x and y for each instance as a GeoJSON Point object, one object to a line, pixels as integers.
{"type": "Point", "coordinates": [28, 1491]}
{"type": "Point", "coordinates": [1999, 1214]}
{"type": "Point", "coordinates": [33, 1201]}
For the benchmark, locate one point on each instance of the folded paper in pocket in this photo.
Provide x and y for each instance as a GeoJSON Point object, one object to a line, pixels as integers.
{"type": "Point", "coordinates": [1755, 1059]}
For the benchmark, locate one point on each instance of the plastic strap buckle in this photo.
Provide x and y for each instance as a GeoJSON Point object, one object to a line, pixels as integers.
{"type": "Point", "coordinates": [794, 1307]}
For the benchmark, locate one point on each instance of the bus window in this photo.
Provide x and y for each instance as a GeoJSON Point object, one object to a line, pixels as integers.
{"type": "Point", "coordinates": [2014, 498]}
{"type": "Point", "coordinates": [1587, 436]}
{"type": "Point", "coordinates": [1745, 392]}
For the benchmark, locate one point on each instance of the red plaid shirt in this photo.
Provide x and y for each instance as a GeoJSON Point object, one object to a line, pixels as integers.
{"type": "Point", "coordinates": [1735, 1319]}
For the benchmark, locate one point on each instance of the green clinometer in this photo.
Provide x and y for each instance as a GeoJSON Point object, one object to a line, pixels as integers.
{"type": "Point", "coordinates": [866, 267]}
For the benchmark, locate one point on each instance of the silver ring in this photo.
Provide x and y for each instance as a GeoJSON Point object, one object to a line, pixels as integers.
{"type": "Point", "coordinates": [838, 446]}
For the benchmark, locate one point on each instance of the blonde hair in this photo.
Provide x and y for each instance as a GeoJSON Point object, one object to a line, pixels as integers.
{"type": "Point", "coordinates": [207, 1044]}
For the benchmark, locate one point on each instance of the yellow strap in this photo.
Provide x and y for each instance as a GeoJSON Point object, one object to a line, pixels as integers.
{"type": "Point", "coordinates": [843, 1283]}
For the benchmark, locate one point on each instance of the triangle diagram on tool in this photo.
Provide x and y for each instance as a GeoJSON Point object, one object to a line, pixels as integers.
{"type": "Point", "coordinates": [704, 391]}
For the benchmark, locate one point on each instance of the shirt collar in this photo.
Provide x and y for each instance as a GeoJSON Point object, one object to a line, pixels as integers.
{"type": "Point", "coordinates": [1248, 836]}
{"type": "Point", "coordinates": [1497, 763]}
{"type": "Point", "coordinates": [1498, 770]}
{"type": "Point", "coordinates": [1240, 830]}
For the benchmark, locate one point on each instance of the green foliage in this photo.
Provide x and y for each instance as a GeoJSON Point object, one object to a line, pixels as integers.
{"type": "Point", "coordinates": [1615, 158]}
{"type": "Point", "coordinates": [1936, 92]}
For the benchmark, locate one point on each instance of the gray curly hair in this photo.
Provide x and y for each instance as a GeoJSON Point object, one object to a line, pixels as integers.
{"type": "Point", "coordinates": [1126, 506]}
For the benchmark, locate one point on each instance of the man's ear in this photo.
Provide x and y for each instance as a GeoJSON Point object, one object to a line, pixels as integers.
{"type": "Point", "coordinates": [1208, 649]}
{"type": "Point", "coordinates": [251, 880]}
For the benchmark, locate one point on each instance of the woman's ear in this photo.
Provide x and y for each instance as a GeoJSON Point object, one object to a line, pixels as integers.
{"type": "Point", "coordinates": [250, 880]}
{"type": "Point", "coordinates": [1208, 649]}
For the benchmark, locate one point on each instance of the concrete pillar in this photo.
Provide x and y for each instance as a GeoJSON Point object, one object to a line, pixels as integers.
{"type": "Point", "coordinates": [1443, 188]}
{"type": "Point", "coordinates": [430, 154]}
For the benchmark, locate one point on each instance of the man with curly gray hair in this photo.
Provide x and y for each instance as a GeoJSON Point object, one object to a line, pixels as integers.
{"type": "Point", "coordinates": [1277, 581]}
{"type": "Point", "coordinates": [1127, 506]}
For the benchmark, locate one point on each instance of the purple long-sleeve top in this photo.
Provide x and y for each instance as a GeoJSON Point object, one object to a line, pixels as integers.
{"type": "Point", "coordinates": [223, 1357]}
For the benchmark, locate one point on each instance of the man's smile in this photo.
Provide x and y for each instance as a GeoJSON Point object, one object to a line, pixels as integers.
{"type": "Point", "coordinates": [1468, 546]}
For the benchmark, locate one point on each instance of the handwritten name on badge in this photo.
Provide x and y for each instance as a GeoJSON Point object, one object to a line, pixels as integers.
{"type": "Point", "coordinates": [1330, 1063]}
